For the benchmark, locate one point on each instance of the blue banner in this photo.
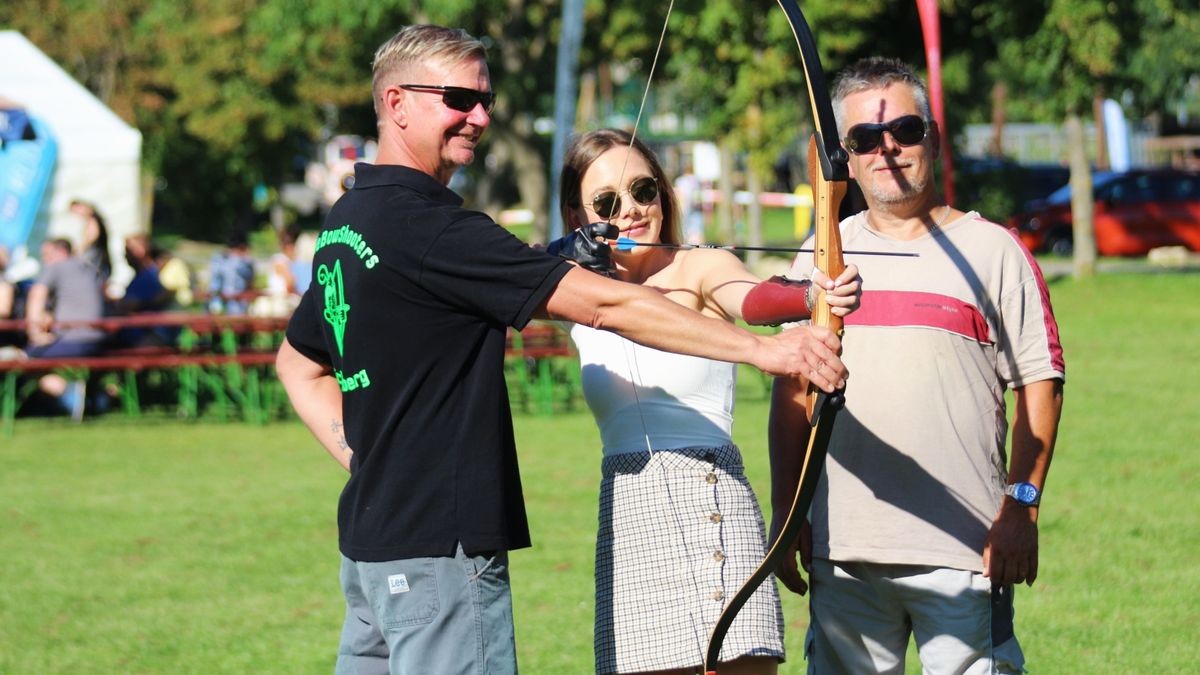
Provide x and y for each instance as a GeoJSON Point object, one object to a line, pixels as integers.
{"type": "Point", "coordinates": [27, 155]}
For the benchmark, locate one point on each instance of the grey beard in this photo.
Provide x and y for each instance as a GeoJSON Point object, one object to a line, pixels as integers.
{"type": "Point", "coordinates": [911, 192]}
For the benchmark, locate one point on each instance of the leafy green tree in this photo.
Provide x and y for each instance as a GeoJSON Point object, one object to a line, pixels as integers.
{"type": "Point", "coordinates": [1074, 49]}
{"type": "Point", "coordinates": [1160, 69]}
{"type": "Point", "coordinates": [1060, 55]}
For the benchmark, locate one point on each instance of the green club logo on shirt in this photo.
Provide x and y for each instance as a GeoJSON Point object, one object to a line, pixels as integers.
{"type": "Point", "coordinates": [336, 309]}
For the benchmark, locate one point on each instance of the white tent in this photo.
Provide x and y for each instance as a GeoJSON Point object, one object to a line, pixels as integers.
{"type": "Point", "coordinates": [99, 155]}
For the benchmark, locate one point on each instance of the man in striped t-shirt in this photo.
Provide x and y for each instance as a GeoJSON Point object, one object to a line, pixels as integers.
{"type": "Point", "coordinates": [923, 522]}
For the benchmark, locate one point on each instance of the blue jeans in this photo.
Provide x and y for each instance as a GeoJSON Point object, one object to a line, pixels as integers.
{"type": "Point", "coordinates": [428, 615]}
{"type": "Point", "coordinates": [64, 349]}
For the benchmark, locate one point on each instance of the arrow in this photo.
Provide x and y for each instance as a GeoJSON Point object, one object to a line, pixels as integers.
{"type": "Point", "coordinates": [627, 244]}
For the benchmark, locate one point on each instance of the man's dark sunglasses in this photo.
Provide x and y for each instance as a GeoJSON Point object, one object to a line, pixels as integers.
{"type": "Point", "coordinates": [608, 203]}
{"type": "Point", "coordinates": [458, 98]}
{"type": "Point", "coordinates": [906, 130]}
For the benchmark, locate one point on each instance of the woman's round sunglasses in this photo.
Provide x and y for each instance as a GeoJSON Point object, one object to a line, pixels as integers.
{"type": "Point", "coordinates": [607, 204]}
{"type": "Point", "coordinates": [906, 130]}
{"type": "Point", "coordinates": [458, 98]}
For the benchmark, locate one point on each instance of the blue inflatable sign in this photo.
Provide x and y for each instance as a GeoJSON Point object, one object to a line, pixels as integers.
{"type": "Point", "coordinates": [28, 152]}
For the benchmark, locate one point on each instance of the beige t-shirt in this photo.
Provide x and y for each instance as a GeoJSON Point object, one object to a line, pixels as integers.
{"type": "Point", "coordinates": [917, 462]}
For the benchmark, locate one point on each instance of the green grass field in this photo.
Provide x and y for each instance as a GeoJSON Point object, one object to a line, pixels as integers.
{"type": "Point", "coordinates": [169, 547]}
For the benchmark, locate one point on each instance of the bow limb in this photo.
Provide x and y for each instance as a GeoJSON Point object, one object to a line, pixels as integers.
{"type": "Point", "coordinates": [829, 172]}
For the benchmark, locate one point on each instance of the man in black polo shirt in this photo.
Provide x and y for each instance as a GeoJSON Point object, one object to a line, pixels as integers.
{"type": "Point", "coordinates": [394, 360]}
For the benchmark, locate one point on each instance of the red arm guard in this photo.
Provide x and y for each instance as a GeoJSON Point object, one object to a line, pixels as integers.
{"type": "Point", "coordinates": [777, 300]}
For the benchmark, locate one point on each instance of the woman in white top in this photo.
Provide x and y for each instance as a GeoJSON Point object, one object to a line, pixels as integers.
{"type": "Point", "coordinates": [680, 529]}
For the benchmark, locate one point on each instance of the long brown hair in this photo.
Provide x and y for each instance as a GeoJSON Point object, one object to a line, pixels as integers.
{"type": "Point", "coordinates": [586, 149]}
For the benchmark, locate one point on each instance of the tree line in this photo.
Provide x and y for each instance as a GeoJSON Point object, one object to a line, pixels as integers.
{"type": "Point", "coordinates": [230, 94]}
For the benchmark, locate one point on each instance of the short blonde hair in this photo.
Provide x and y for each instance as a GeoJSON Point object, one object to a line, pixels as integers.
{"type": "Point", "coordinates": [418, 44]}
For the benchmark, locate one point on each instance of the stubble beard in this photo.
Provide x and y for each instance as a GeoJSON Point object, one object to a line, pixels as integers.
{"type": "Point", "coordinates": [455, 157]}
{"type": "Point", "coordinates": [459, 152]}
{"type": "Point", "coordinates": [898, 194]}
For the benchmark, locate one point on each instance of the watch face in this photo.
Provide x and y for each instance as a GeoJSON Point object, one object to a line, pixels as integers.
{"type": "Point", "coordinates": [1025, 493]}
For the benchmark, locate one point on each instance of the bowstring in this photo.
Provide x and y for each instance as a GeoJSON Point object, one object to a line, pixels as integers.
{"type": "Point", "coordinates": [621, 181]}
{"type": "Point", "coordinates": [635, 375]}
{"type": "Point", "coordinates": [662, 36]}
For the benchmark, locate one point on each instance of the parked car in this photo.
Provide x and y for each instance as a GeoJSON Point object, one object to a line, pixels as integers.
{"type": "Point", "coordinates": [1001, 187]}
{"type": "Point", "coordinates": [1135, 211]}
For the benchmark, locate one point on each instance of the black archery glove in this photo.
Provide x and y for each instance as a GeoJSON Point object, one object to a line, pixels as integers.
{"type": "Point", "coordinates": [582, 247]}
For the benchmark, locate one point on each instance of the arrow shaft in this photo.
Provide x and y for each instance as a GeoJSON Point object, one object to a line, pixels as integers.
{"type": "Point", "coordinates": [624, 244]}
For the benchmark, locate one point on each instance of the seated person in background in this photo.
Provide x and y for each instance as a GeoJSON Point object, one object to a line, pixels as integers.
{"type": "Point", "coordinates": [17, 274]}
{"type": "Point", "coordinates": [306, 245]}
{"type": "Point", "coordinates": [144, 294]}
{"type": "Point", "coordinates": [8, 310]}
{"type": "Point", "coordinates": [284, 278]}
{"type": "Point", "coordinates": [94, 237]}
{"type": "Point", "coordinates": [231, 276]}
{"type": "Point", "coordinates": [8, 292]}
{"type": "Point", "coordinates": [281, 280]}
{"type": "Point", "coordinates": [67, 290]}
{"type": "Point", "coordinates": [175, 275]}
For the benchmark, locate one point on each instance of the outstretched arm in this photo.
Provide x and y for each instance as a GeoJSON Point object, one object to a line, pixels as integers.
{"type": "Point", "coordinates": [315, 395]}
{"type": "Point", "coordinates": [781, 300]}
{"type": "Point", "coordinates": [727, 286]}
{"type": "Point", "coordinates": [646, 317]}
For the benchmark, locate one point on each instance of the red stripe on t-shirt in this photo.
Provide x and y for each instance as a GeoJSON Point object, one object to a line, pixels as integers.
{"type": "Point", "coordinates": [924, 310]}
{"type": "Point", "coordinates": [1053, 345]}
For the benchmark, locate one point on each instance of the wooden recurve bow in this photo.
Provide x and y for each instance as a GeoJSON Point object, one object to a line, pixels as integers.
{"type": "Point", "coordinates": [830, 174]}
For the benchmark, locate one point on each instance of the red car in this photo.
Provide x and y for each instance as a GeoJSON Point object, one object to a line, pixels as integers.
{"type": "Point", "coordinates": [1135, 211]}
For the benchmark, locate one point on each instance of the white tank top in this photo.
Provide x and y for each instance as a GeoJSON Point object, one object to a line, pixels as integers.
{"type": "Point", "coordinates": [680, 401]}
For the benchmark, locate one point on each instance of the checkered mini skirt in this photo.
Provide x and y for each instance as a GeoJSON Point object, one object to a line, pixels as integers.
{"type": "Point", "coordinates": [680, 532]}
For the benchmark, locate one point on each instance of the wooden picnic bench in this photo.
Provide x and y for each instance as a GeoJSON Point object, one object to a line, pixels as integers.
{"type": "Point", "coordinates": [222, 359]}
{"type": "Point", "coordinates": [542, 368]}
{"type": "Point", "coordinates": [228, 360]}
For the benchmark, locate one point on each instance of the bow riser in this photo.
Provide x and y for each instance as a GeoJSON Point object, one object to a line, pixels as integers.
{"type": "Point", "coordinates": [827, 248]}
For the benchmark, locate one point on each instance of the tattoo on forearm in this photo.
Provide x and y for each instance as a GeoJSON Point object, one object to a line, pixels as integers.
{"type": "Point", "coordinates": [339, 437]}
